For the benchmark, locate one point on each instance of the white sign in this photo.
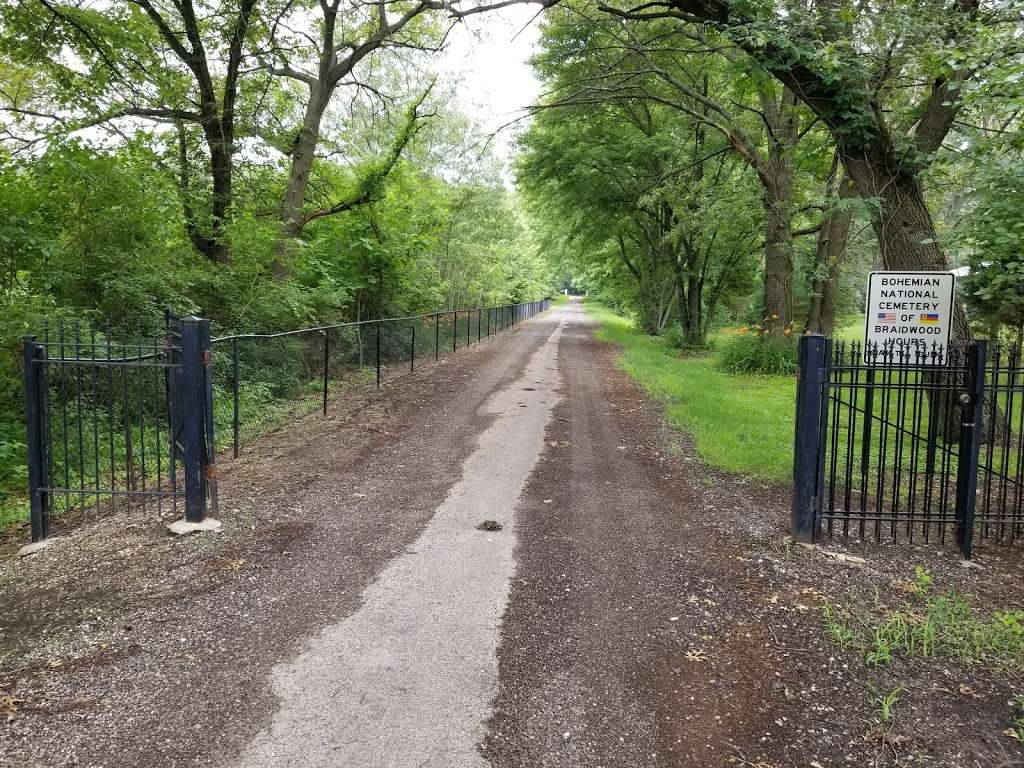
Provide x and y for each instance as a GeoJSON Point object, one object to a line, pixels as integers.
{"type": "Point", "coordinates": [908, 310]}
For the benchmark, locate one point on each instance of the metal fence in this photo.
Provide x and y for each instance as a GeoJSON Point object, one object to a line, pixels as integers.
{"type": "Point", "coordinates": [263, 381]}
{"type": "Point", "coordinates": [909, 443]}
{"type": "Point", "coordinates": [108, 421]}
{"type": "Point", "coordinates": [116, 421]}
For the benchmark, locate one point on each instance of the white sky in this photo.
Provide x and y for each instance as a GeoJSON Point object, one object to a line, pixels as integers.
{"type": "Point", "coordinates": [487, 58]}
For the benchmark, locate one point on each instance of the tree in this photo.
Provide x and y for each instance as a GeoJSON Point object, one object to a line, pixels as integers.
{"type": "Point", "coordinates": [993, 238]}
{"type": "Point", "coordinates": [873, 78]}
{"type": "Point", "coordinates": [654, 62]}
{"type": "Point", "coordinates": [347, 34]}
{"type": "Point", "coordinates": [140, 60]}
{"type": "Point", "coordinates": [642, 194]}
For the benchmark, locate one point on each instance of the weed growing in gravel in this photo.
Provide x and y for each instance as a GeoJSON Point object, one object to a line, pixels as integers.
{"type": "Point", "coordinates": [883, 704]}
{"type": "Point", "coordinates": [929, 624]}
{"type": "Point", "coordinates": [923, 580]}
{"type": "Point", "coordinates": [837, 628]}
{"type": "Point", "coordinates": [1017, 730]}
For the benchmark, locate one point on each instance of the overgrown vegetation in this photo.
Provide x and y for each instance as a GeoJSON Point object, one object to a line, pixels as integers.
{"type": "Point", "coordinates": [753, 354]}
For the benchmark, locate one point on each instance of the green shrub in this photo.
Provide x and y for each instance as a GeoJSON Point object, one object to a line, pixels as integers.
{"type": "Point", "coordinates": [673, 338]}
{"type": "Point", "coordinates": [758, 354]}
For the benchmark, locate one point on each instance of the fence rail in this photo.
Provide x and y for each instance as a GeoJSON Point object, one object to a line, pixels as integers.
{"type": "Point", "coordinates": [264, 380]}
{"type": "Point", "coordinates": [115, 423]}
{"type": "Point", "coordinates": [906, 443]}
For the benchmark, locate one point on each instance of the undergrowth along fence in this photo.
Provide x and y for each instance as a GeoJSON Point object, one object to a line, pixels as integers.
{"type": "Point", "coordinates": [262, 381]}
{"type": "Point", "coordinates": [115, 420]}
{"type": "Point", "coordinates": [909, 443]}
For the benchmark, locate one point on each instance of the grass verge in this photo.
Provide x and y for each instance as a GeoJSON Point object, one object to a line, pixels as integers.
{"type": "Point", "coordinates": [742, 424]}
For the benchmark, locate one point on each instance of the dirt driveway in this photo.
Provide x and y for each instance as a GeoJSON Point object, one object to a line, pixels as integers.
{"type": "Point", "coordinates": [624, 605]}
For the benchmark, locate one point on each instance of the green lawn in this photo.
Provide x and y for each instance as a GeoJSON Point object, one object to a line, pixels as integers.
{"type": "Point", "coordinates": [742, 424]}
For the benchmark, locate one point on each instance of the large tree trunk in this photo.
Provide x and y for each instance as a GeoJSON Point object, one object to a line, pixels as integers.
{"type": "Point", "coordinates": [907, 241]}
{"type": "Point", "coordinates": [778, 256]}
{"type": "Point", "coordinates": [828, 254]}
{"type": "Point", "coordinates": [220, 142]}
{"type": "Point", "coordinates": [777, 181]}
{"type": "Point", "coordinates": [303, 152]}
{"type": "Point", "coordinates": [220, 167]}
{"type": "Point", "coordinates": [903, 225]}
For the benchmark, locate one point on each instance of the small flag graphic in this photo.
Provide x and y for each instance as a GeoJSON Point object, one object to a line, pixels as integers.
{"type": "Point", "coordinates": [887, 317]}
{"type": "Point", "coordinates": [929, 318]}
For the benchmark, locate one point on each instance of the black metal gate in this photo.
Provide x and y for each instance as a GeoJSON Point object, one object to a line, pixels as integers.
{"type": "Point", "coordinates": [909, 443]}
{"type": "Point", "coordinates": [114, 423]}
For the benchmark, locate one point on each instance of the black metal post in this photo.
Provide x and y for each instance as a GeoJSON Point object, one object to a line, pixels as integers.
{"type": "Point", "coordinates": [234, 394]}
{"type": "Point", "coordinates": [193, 395]}
{"type": "Point", "coordinates": [378, 353]}
{"type": "Point", "coordinates": [469, 325]}
{"type": "Point", "coordinates": [455, 331]}
{"type": "Point", "coordinates": [437, 336]}
{"type": "Point", "coordinates": [865, 437]}
{"type": "Point", "coordinates": [327, 362]}
{"type": "Point", "coordinates": [210, 462]}
{"type": "Point", "coordinates": [479, 322]}
{"type": "Point", "coordinates": [34, 414]}
{"type": "Point", "coordinates": [412, 349]}
{"type": "Point", "coordinates": [971, 409]}
{"type": "Point", "coordinates": [488, 322]}
{"type": "Point", "coordinates": [807, 445]}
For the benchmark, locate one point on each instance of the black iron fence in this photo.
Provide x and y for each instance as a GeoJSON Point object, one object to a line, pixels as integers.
{"type": "Point", "coordinates": [909, 443]}
{"type": "Point", "coordinates": [117, 422]}
{"type": "Point", "coordinates": [262, 381]}
{"type": "Point", "coordinates": [113, 422]}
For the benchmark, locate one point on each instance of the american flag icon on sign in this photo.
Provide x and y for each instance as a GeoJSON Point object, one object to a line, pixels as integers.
{"type": "Point", "coordinates": [887, 317]}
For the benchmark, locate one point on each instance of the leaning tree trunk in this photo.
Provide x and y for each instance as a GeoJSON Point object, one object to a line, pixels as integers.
{"type": "Point", "coordinates": [908, 242]}
{"type": "Point", "coordinates": [303, 153]}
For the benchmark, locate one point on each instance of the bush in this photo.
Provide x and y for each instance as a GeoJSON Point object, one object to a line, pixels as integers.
{"type": "Point", "coordinates": [758, 355]}
{"type": "Point", "coordinates": [673, 339]}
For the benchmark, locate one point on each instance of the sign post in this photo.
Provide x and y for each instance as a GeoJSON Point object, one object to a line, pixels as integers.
{"type": "Point", "coordinates": [907, 310]}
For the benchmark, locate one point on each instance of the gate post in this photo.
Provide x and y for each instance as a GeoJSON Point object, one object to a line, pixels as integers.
{"type": "Point", "coordinates": [39, 513]}
{"type": "Point", "coordinates": [195, 351]}
{"type": "Point", "coordinates": [807, 447]}
{"type": "Point", "coordinates": [971, 408]}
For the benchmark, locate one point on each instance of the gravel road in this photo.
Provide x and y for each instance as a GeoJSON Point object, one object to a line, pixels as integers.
{"type": "Point", "coordinates": [409, 677]}
{"type": "Point", "coordinates": [504, 559]}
